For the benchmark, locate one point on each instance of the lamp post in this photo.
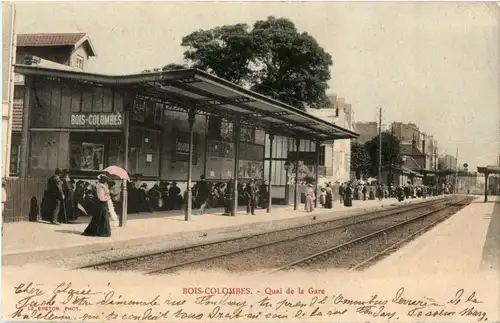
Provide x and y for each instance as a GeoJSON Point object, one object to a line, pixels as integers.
{"type": "Point", "coordinates": [287, 168]}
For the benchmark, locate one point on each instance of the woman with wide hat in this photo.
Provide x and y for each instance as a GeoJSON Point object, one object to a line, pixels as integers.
{"type": "Point", "coordinates": [99, 226]}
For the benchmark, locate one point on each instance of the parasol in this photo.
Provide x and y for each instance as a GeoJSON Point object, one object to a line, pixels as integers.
{"type": "Point", "coordinates": [117, 171]}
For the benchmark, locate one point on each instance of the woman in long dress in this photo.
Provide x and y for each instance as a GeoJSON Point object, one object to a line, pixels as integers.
{"type": "Point", "coordinates": [348, 196]}
{"type": "Point", "coordinates": [99, 226]}
{"type": "Point", "coordinates": [310, 198]}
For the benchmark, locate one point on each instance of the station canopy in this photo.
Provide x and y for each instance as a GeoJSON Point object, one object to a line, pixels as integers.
{"type": "Point", "coordinates": [489, 169]}
{"type": "Point", "coordinates": [192, 88]}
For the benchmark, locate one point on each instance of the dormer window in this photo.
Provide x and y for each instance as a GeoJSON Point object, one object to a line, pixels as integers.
{"type": "Point", "coordinates": [79, 62]}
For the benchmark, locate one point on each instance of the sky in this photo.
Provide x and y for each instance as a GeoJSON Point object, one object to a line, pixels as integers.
{"type": "Point", "coordinates": [434, 64]}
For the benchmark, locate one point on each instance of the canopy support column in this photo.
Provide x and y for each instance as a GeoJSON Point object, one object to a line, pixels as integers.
{"type": "Point", "coordinates": [189, 208]}
{"type": "Point", "coordinates": [269, 186]}
{"type": "Point", "coordinates": [486, 187]}
{"type": "Point", "coordinates": [236, 167]}
{"type": "Point", "coordinates": [296, 187]}
{"type": "Point", "coordinates": [316, 172]}
{"type": "Point", "coordinates": [123, 216]}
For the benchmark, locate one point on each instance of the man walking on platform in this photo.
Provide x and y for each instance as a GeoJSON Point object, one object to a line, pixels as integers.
{"type": "Point", "coordinates": [202, 194]}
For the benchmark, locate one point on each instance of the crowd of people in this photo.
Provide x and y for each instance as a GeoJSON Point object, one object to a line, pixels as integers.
{"type": "Point", "coordinates": [349, 191]}
{"type": "Point", "coordinates": [65, 200]}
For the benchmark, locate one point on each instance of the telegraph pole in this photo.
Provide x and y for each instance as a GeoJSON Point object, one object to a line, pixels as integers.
{"type": "Point", "coordinates": [455, 188]}
{"type": "Point", "coordinates": [380, 145]}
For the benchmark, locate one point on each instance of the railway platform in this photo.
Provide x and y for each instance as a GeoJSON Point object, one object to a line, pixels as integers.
{"type": "Point", "coordinates": [34, 241]}
{"type": "Point", "coordinates": [466, 243]}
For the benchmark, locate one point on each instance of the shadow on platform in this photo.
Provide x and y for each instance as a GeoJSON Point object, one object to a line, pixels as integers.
{"type": "Point", "coordinates": [69, 231]}
{"type": "Point", "coordinates": [491, 249]}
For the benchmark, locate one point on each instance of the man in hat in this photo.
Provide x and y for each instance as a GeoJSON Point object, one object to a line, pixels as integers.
{"type": "Point", "coordinates": [56, 195]}
{"type": "Point", "coordinates": [202, 194]}
{"type": "Point", "coordinates": [250, 195]}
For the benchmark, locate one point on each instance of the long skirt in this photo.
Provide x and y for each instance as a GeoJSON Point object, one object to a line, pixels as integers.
{"type": "Point", "coordinates": [48, 206]}
{"type": "Point", "coordinates": [99, 226]}
{"type": "Point", "coordinates": [328, 201]}
{"type": "Point", "coordinates": [347, 201]}
{"type": "Point", "coordinates": [309, 204]}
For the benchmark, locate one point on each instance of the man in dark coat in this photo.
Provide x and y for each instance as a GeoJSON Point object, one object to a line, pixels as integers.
{"type": "Point", "coordinates": [364, 192]}
{"type": "Point", "coordinates": [202, 194]}
{"type": "Point", "coordinates": [55, 196]}
{"type": "Point", "coordinates": [228, 197]}
{"type": "Point", "coordinates": [341, 193]}
{"type": "Point", "coordinates": [67, 213]}
{"type": "Point", "coordinates": [173, 193]}
{"type": "Point", "coordinates": [250, 195]}
{"type": "Point", "coordinates": [380, 192]}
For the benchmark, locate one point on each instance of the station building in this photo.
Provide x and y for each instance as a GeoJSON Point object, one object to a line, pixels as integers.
{"type": "Point", "coordinates": [171, 125]}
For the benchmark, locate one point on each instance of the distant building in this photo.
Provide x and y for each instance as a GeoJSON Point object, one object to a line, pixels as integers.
{"type": "Point", "coordinates": [335, 160]}
{"type": "Point", "coordinates": [367, 131]}
{"type": "Point", "coordinates": [65, 51]}
{"type": "Point", "coordinates": [448, 162]}
{"type": "Point", "coordinates": [423, 148]}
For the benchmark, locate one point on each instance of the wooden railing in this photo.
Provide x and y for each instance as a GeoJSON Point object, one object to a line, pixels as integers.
{"type": "Point", "coordinates": [22, 194]}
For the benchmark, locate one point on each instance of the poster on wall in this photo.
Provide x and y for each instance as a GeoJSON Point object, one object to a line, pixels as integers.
{"type": "Point", "coordinates": [250, 169]}
{"type": "Point", "coordinates": [180, 148]}
{"type": "Point", "coordinates": [92, 157]}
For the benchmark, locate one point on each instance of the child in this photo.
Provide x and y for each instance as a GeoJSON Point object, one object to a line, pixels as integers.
{"type": "Point", "coordinates": [322, 197]}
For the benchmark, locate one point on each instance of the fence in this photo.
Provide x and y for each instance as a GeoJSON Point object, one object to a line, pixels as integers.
{"type": "Point", "coordinates": [22, 193]}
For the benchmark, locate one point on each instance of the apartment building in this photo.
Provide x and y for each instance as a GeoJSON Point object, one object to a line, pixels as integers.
{"type": "Point", "coordinates": [335, 160]}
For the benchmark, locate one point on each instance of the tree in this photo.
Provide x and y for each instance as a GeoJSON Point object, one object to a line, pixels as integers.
{"type": "Point", "coordinates": [272, 58]}
{"type": "Point", "coordinates": [173, 67]}
{"type": "Point", "coordinates": [391, 152]}
{"type": "Point", "coordinates": [360, 160]}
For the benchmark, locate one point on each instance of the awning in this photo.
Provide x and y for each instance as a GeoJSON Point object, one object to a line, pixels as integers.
{"type": "Point", "coordinates": [489, 169]}
{"type": "Point", "coordinates": [208, 94]}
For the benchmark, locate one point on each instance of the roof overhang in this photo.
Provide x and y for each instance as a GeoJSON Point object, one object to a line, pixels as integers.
{"type": "Point", "coordinates": [196, 89]}
{"type": "Point", "coordinates": [488, 169]}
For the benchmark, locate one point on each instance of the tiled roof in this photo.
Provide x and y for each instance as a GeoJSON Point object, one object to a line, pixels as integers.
{"type": "Point", "coordinates": [61, 39]}
{"type": "Point", "coordinates": [17, 116]}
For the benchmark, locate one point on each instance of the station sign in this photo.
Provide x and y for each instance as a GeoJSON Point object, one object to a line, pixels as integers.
{"type": "Point", "coordinates": [96, 120]}
{"type": "Point", "coordinates": [182, 146]}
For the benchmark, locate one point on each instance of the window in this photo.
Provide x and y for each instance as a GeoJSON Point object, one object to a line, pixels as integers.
{"type": "Point", "coordinates": [158, 112]}
{"type": "Point", "coordinates": [14, 159]}
{"type": "Point", "coordinates": [18, 92]}
{"type": "Point", "coordinates": [322, 156]}
{"type": "Point", "coordinates": [79, 62]}
{"type": "Point", "coordinates": [220, 129]}
{"type": "Point", "coordinates": [139, 112]}
{"type": "Point", "coordinates": [247, 135]}
{"type": "Point", "coordinates": [226, 130]}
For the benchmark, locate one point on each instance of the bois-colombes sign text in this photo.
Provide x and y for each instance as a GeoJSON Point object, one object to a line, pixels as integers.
{"type": "Point", "coordinates": [96, 120]}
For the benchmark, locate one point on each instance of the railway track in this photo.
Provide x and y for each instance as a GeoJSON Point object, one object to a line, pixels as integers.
{"type": "Point", "coordinates": [160, 262]}
{"type": "Point", "coordinates": [353, 263]}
